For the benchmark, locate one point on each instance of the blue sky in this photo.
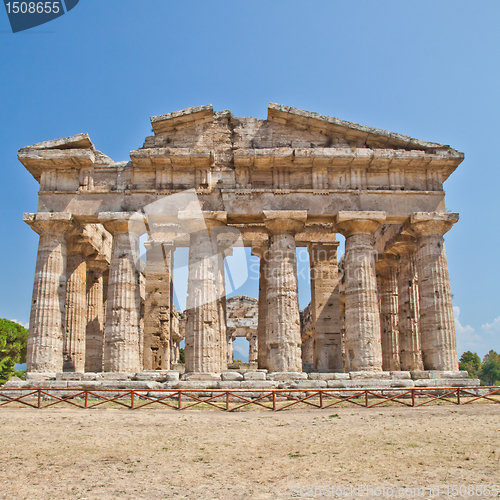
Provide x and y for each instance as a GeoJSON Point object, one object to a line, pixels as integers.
{"type": "Point", "coordinates": [423, 68]}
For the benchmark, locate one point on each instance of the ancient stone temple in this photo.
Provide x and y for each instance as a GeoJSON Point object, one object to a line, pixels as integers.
{"type": "Point", "coordinates": [212, 182]}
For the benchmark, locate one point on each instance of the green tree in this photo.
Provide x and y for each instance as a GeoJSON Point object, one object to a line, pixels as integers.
{"type": "Point", "coordinates": [13, 343]}
{"type": "Point", "coordinates": [470, 362]}
{"type": "Point", "coordinates": [182, 356]}
{"type": "Point", "coordinates": [490, 369]}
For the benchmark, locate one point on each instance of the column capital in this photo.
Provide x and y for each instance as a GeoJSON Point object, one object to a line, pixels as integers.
{"type": "Point", "coordinates": [260, 247]}
{"type": "Point", "coordinates": [53, 222]}
{"type": "Point", "coordinates": [284, 221]}
{"type": "Point", "coordinates": [122, 222]}
{"type": "Point", "coordinates": [196, 221]}
{"type": "Point", "coordinates": [97, 265]}
{"type": "Point", "coordinates": [349, 223]}
{"type": "Point", "coordinates": [385, 263]}
{"type": "Point", "coordinates": [430, 223]}
{"type": "Point", "coordinates": [320, 250]}
{"type": "Point", "coordinates": [401, 244]}
{"type": "Point", "coordinates": [168, 245]}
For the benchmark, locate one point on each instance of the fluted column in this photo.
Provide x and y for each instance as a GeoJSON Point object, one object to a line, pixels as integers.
{"type": "Point", "coordinates": [94, 343]}
{"type": "Point", "coordinates": [410, 352]}
{"type": "Point", "coordinates": [203, 342]}
{"type": "Point", "coordinates": [386, 267]}
{"type": "Point", "coordinates": [229, 341]}
{"type": "Point", "coordinates": [362, 317]}
{"type": "Point", "coordinates": [76, 310]}
{"type": "Point", "coordinates": [45, 338]}
{"type": "Point", "coordinates": [253, 348]}
{"type": "Point", "coordinates": [158, 305]}
{"type": "Point", "coordinates": [439, 345]}
{"type": "Point", "coordinates": [283, 318]}
{"type": "Point", "coordinates": [224, 355]}
{"type": "Point", "coordinates": [122, 335]}
{"type": "Point", "coordinates": [308, 350]}
{"type": "Point", "coordinates": [261, 251]}
{"type": "Point", "coordinates": [325, 306]}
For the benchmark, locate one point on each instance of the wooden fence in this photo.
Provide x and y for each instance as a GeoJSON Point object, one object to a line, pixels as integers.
{"type": "Point", "coordinates": [233, 400]}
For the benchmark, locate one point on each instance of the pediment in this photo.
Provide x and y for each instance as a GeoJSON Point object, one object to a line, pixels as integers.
{"type": "Point", "coordinates": [285, 127]}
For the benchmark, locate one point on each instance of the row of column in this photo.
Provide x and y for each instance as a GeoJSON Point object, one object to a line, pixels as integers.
{"type": "Point", "coordinates": [57, 301]}
{"type": "Point", "coordinates": [370, 345]}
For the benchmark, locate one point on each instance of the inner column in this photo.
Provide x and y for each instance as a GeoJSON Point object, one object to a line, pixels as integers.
{"type": "Point", "coordinates": [325, 304]}
{"type": "Point", "coordinates": [203, 348]}
{"type": "Point", "coordinates": [283, 318]}
{"type": "Point", "coordinates": [362, 316]}
{"type": "Point", "coordinates": [123, 309]}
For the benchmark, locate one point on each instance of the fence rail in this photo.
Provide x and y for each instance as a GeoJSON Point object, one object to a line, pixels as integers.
{"type": "Point", "coordinates": [233, 400]}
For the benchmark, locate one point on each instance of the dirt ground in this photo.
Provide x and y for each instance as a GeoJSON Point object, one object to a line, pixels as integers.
{"type": "Point", "coordinates": [163, 454]}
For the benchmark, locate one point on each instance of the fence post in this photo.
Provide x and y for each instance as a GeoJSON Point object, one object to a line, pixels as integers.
{"type": "Point", "coordinates": [458, 395]}
{"type": "Point", "coordinates": [366, 398]}
{"type": "Point", "coordinates": [413, 396]}
{"type": "Point", "coordinates": [179, 399]}
{"type": "Point", "coordinates": [321, 398]}
{"type": "Point", "coordinates": [39, 398]}
{"type": "Point", "coordinates": [227, 400]}
{"type": "Point", "coordinates": [132, 400]}
{"type": "Point", "coordinates": [274, 401]}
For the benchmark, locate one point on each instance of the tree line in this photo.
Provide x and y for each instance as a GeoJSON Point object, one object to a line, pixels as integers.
{"type": "Point", "coordinates": [487, 370]}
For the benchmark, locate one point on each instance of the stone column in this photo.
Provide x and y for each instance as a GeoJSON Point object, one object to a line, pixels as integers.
{"type": "Point", "coordinates": [261, 251]}
{"type": "Point", "coordinates": [325, 306]}
{"type": "Point", "coordinates": [410, 352]}
{"type": "Point", "coordinates": [122, 335]}
{"type": "Point", "coordinates": [94, 343]}
{"type": "Point", "coordinates": [158, 305]}
{"type": "Point", "coordinates": [386, 267]}
{"type": "Point", "coordinates": [229, 341]}
{"type": "Point", "coordinates": [253, 348]}
{"type": "Point", "coordinates": [439, 345]}
{"type": "Point", "coordinates": [45, 338]}
{"type": "Point", "coordinates": [203, 342]}
{"type": "Point", "coordinates": [283, 325]}
{"type": "Point", "coordinates": [362, 317]}
{"type": "Point", "coordinates": [308, 350]}
{"type": "Point", "coordinates": [222, 253]}
{"type": "Point", "coordinates": [76, 310]}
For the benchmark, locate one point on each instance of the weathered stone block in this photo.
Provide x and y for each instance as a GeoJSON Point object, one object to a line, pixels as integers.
{"type": "Point", "coordinates": [85, 384]}
{"type": "Point", "coordinates": [16, 384]}
{"type": "Point", "coordinates": [449, 374]}
{"type": "Point", "coordinates": [196, 384]}
{"type": "Point", "coordinates": [457, 382]}
{"type": "Point", "coordinates": [310, 384]}
{"type": "Point", "coordinates": [286, 376]}
{"type": "Point", "coordinates": [114, 376]}
{"type": "Point", "coordinates": [329, 376]}
{"type": "Point", "coordinates": [35, 376]}
{"type": "Point", "coordinates": [69, 376]}
{"type": "Point", "coordinates": [172, 376]}
{"type": "Point", "coordinates": [338, 384]}
{"type": "Point", "coordinates": [373, 375]}
{"type": "Point", "coordinates": [229, 384]}
{"type": "Point", "coordinates": [200, 377]}
{"type": "Point", "coordinates": [254, 376]}
{"type": "Point", "coordinates": [401, 375]}
{"type": "Point", "coordinates": [259, 384]}
{"type": "Point", "coordinates": [402, 383]}
{"type": "Point", "coordinates": [89, 376]}
{"type": "Point", "coordinates": [231, 376]}
{"type": "Point", "coordinates": [421, 374]}
{"type": "Point", "coordinates": [368, 384]}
